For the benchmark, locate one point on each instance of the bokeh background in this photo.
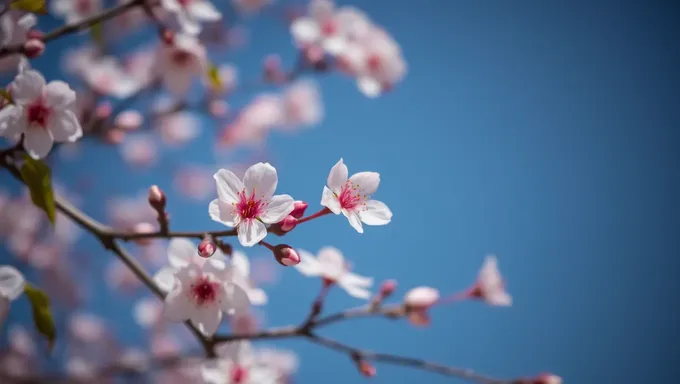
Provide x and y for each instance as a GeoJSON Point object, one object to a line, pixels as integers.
{"type": "Point", "coordinates": [545, 132]}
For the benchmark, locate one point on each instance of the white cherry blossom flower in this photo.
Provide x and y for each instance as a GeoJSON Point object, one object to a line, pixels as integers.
{"type": "Point", "coordinates": [352, 197]}
{"type": "Point", "coordinates": [249, 204]}
{"type": "Point", "coordinates": [237, 365]}
{"type": "Point", "coordinates": [107, 76]}
{"type": "Point", "coordinates": [11, 287]}
{"type": "Point", "coordinates": [240, 274]}
{"type": "Point", "coordinates": [198, 292]}
{"type": "Point", "coordinates": [330, 265]}
{"type": "Point", "coordinates": [180, 62]}
{"type": "Point", "coordinates": [74, 11]}
{"type": "Point", "coordinates": [14, 31]}
{"type": "Point", "coordinates": [189, 14]}
{"type": "Point", "coordinates": [301, 104]}
{"type": "Point", "coordinates": [490, 286]}
{"type": "Point", "coordinates": [44, 113]}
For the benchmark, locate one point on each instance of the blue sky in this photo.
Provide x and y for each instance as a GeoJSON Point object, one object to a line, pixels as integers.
{"type": "Point", "coordinates": [542, 132]}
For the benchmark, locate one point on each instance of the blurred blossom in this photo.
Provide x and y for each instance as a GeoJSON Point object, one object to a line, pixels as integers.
{"type": "Point", "coordinates": [285, 362]}
{"type": "Point", "coordinates": [106, 76]}
{"type": "Point", "coordinates": [178, 128]}
{"type": "Point", "coordinates": [181, 62]}
{"type": "Point", "coordinates": [194, 182]}
{"type": "Point", "coordinates": [302, 104]}
{"type": "Point", "coordinates": [13, 30]}
{"type": "Point", "coordinates": [236, 363]}
{"type": "Point", "coordinates": [265, 270]}
{"type": "Point", "coordinates": [250, 6]}
{"type": "Point", "coordinates": [126, 212]}
{"type": "Point", "coordinates": [244, 323]}
{"type": "Point", "coordinates": [164, 345]}
{"type": "Point", "coordinates": [228, 77]}
{"type": "Point", "coordinates": [139, 151]}
{"type": "Point", "coordinates": [74, 11]}
{"type": "Point", "coordinates": [218, 108]}
{"type": "Point", "coordinates": [140, 65]}
{"type": "Point", "coordinates": [134, 358]}
{"type": "Point", "coordinates": [17, 365]}
{"type": "Point", "coordinates": [131, 19]}
{"type": "Point", "coordinates": [129, 120]}
{"type": "Point", "coordinates": [76, 60]}
{"type": "Point", "coordinates": [147, 311]}
{"type": "Point", "coordinates": [331, 266]}
{"type": "Point", "coordinates": [87, 328]}
{"type": "Point", "coordinates": [190, 14]}
{"type": "Point", "coordinates": [44, 255]}
{"type": "Point", "coordinates": [119, 276]}
{"type": "Point", "coordinates": [21, 341]}
{"type": "Point", "coordinates": [80, 369]}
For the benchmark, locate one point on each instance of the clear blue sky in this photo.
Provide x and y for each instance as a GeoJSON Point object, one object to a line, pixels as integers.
{"type": "Point", "coordinates": [543, 132]}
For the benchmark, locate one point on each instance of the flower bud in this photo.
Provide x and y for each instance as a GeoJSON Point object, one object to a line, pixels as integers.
{"type": "Point", "coordinates": [288, 223]}
{"type": "Point", "coordinates": [114, 136]}
{"type": "Point", "coordinates": [299, 208]}
{"type": "Point", "coordinates": [129, 120]}
{"type": "Point", "coordinates": [366, 368]}
{"type": "Point", "coordinates": [103, 110]}
{"type": "Point", "coordinates": [387, 288]}
{"type": "Point", "coordinates": [421, 297]}
{"type": "Point", "coordinates": [206, 248]}
{"type": "Point", "coordinates": [286, 255]}
{"type": "Point", "coordinates": [156, 198]}
{"type": "Point", "coordinates": [547, 378]}
{"type": "Point", "coordinates": [33, 48]}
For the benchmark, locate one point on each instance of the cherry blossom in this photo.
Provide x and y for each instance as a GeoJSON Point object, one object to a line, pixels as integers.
{"type": "Point", "coordinates": [139, 151]}
{"type": "Point", "coordinates": [147, 311]}
{"type": "Point", "coordinates": [194, 182]}
{"type": "Point", "coordinates": [75, 10]}
{"type": "Point", "coordinates": [236, 364]}
{"type": "Point", "coordinates": [284, 362]}
{"type": "Point", "coordinates": [44, 113]}
{"type": "Point", "coordinates": [180, 62]}
{"type": "Point", "coordinates": [199, 292]}
{"type": "Point", "coordinates": [301, 104]}
{"type": "Point", "coordinates": [352, 197]}
{"type": "Point", "coordinates": [178, 128]}
{"type": "Point", "coordinates": [417, 302]}
{"type": "Point", "coordinates": [21, 341]}
{"type": "Point", "coordinates": [87, 328]}
{"type": "Point", "coordinates": [330, 265]}
{"type": "Point", "coordinates": [240, 273]}
{"type": "Point", "coordinates": [490, 286]}
{"type": "Point", "coordinates": [108, 77]}
{"type": "Point", "coordinates": [13, 31]}
{"type": "Point", "coordinates": [11, 287]}
{"type": "Point", "coordinates": [189, 14]}
{"type": "Point", "coordinates": [249, 204]}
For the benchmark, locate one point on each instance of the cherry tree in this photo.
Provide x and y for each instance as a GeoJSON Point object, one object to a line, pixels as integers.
{"type": "Point", "coordinates": [143, 100]}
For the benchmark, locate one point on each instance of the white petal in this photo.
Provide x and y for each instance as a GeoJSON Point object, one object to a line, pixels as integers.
{"type": "Point", "coordinates": [309, 265]}
{"type": "Point", "coordinates": [165, 279]}
{"type": "Point", "coordinates": [228, 186]}
{"type": "Point", "coordinates": [357, 280]}
{"type": "Point", "coordinates": [257, 296]}
{"type": "Point", "coordinates": [366, 182]}
{"type": "Point", "coordinates": [171, 5]}
{"type": "Point", "coordinates": [27, 22]}
{"type": "Point", "coordinates": [375, 213]}
{"type": "Point", "coordinates": [235, 299]}
{"type": "Point", "coordinates": [8, 117]}
{"type": "Point", "coordinates": [189, 25]}
{"type": "Point", "coordinates": [330, 201]}
{"type": "Point", "coordinates": [354, 220]}
{"type": "Point", "coordinates": [177, 306]}
{"type": "Point", "coordinates": [215, 372]}
{"type": "Point", "coordinates": [59, 95]}
{"type": "Point", "coordinates": [337, 177]}
{"type": "Point", "coordinates": [217, 264]}
{"type": "Point", "coordinates": [251, 232]}
{"type": "Point", "coordinates": [305, 30]}
{"type": "Point", "coordinates": [27, 86]}
{"type": "Point", "coordinates": [204, 10]}
{"type": "Point", "coordinates": [37, 142]}
{"type": "Point", "coordinates": [501, 298]}
{"type": "Point", "coordinates": [207, 318]}
{"type": "Point", "coordinates": [278, 208]}
{"type": "Point", "coordinates": [335, 45]}
{"type": "Point", "coordinates": [11, 282]}
{"type": "Point", "coordinates": [181, 252]}
{"type": "Point", "coordinates": [332, 262]}
{"type": "Point", "coordinates": [222, 213]}
{"type": "Point", "coordinates": [261, 179]}
{"type": "Point", "coordinates": [64, 126]}
{"type": "Point", "coordinates": [240, 261]}
{"type": "Point", "coordinates": [355, 291]}
{"type": "Point", "coordinates": [369, 86]}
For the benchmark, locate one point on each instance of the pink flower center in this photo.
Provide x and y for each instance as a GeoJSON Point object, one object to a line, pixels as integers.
{"type": "Point", "coordinates": [181, 58]}
{"type": "Point", "coordinates": [204, 291]}
{"type": "Point", "coordinates": [248, 207]}
{"type": "Point", "coordinates": [374, 62]}
{"type": "Point", "coordinates": [350, 196]}
{"type": "Point", "coordinates": [37, 113]}
{"type": "Point", "coordinates": [329, 27]}
{"type": "Point", "coordinates": [184, 3]}
{"type": "Point", "coordinates": [239, 374]}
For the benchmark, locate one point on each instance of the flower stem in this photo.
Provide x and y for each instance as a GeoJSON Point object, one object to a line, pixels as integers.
{"type": "Point", "coordinates": [322, 212]}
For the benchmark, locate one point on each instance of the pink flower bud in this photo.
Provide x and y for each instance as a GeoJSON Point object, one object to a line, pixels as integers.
{"type": "Point", "coordinates": [286, 255]}
{"type": "Point", "coordinates": [103, 110]}
{"type": "Point", "coordinates": [34, 34]}
{"type": "Point", "coordinates": [129, 120]}
{"type": "Point", "coordinates": [156, 198]}
{"type": "Point", "coordinates": [288, 223]}
{"type": "Point", "coordinates": [417, 302]}
{"type": "Point", "coordinates": [366, 368]}
{"type": "Point", "coordinates": [34, 48]}
{"type": "Point", "coordinates": [387, 288]}
{"type": "Point", "coordinates": [299, 208]}
{"type": "Point", "coordinates": [547, 378]}
{"type": "Point", "coordinates": [218, 108]}
{"type": "Point", "coordinates": [206, 248]}
{"type": "Point", "coordinates": [114, 136]}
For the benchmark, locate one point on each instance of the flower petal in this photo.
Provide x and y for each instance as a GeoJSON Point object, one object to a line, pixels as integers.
{"type": "Point", "coordinates": [222, 213]}
{"type": "Point", "coordinates": [375, 213]}
{"type": "Point", "coordinates": [369, 86]}
{"type": "Point", "coordinates": [64, 126]}
{"type": "Point", "coordinates": [330, 201]}
{"type": "Point", "coordinates": [215, 371]}
{"type": "Point", "coordinates": [181, 252]}
{"type": "Point", "coordinates": [335, 45]}
{"type": "Point", "coordinates": [357, 280]}
{"type": "Point", "coordinates": [332, 263]}
{"type": "Point", "coordinates": [8, 120]}
{"type": "Point", "coordinates": [257, 296]}
{"type": "Point", "coordinates": [27, 86]}
{"type": "Point", "coordinates": [261, 179]}
{"type": "Point", "coordinates": [309, 265]}
{"type": "Point", "coordinates": [366, 182]}
{"type": "Point", "coordinates": [278, 208]}
{"type": "Point", "coordinates": [355, 291]}
{"type": "Point", "coordinates": [251, 232]}
{"type": "Point", "coordinates": [337, 177]}
{"type": "Point", "coordinates": [177, 306]}
{"type": "Point", "coordinates": [235, 299]}
{"type": "Point", "coordinates": [203, 10]}
{"type": "Point", "coordinates": [177, 82]}
{"type": "Point", "coordinates": [228, 186]}
{"type": "Point", "coordinates": [59, 95]}
{"type": "Point", "coordinates": [11, 282]}
{"type": "Point", "coordinates": [37, 142]}
{"type": "Point", "coordinates": [500, 298]}
{"type": "Point", "coordinates": [207, 319]}
{"type": "Point", "coordinates": [305, 30]}
{"type": "Point", "coordinates": [354, 220]}
{"type": "Point", "coordinates": [165, 279]}
{"type": "Point", "coordinates": [240, 262]}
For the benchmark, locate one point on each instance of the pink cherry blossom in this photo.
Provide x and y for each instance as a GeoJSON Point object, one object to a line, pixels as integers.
{"type": "Point", "coordinates": [75, 10]}
{"type": "Point", "coordinates": [490, 286]}
{"type": "Point", "coordinates": [417, 302]}
{"type": "Point", "coordinates": [352, 197]}
{"type": "Point", "coordinates": [106, 76]}
{"type": "Point", "coordinates": [189, 14]}
{"type": "Point", "coordinates": [139, 151]}
{"type": "Point", "coordinates": [331, 266]}
{"type": "Point", "coordinates": [180, 62]}
{"type": "Point", "coordinates": [236, 364]}
{"type": "Point", "coordinates": [147, 311]}
{"type": "Point", "coordinates": [249, 204]}
{"type": "Point", "coordinates": [13, 31]}
{"type": "Point", "coordinates": [301, 104]}
{"type": "Point", "coordinates": [21, 341]}
{"type": "Point", "coordinates": [87, 328]}
{"type": "Point", "coordinates": [178, 128]}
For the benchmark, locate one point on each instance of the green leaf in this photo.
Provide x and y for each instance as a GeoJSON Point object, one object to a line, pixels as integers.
{"type": "Point", "coordinates": [6, 95]}
{"type": "Point", "coordinates": [214, 77]}
{"type": "Point", "coordinates": [42, 315]}
{"type": "Point", "coordinates": [33, 6]}
{"type": "Point", "coordinates": [97, 34]}
{"type": "Point", "coordinates": [36, 176]}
